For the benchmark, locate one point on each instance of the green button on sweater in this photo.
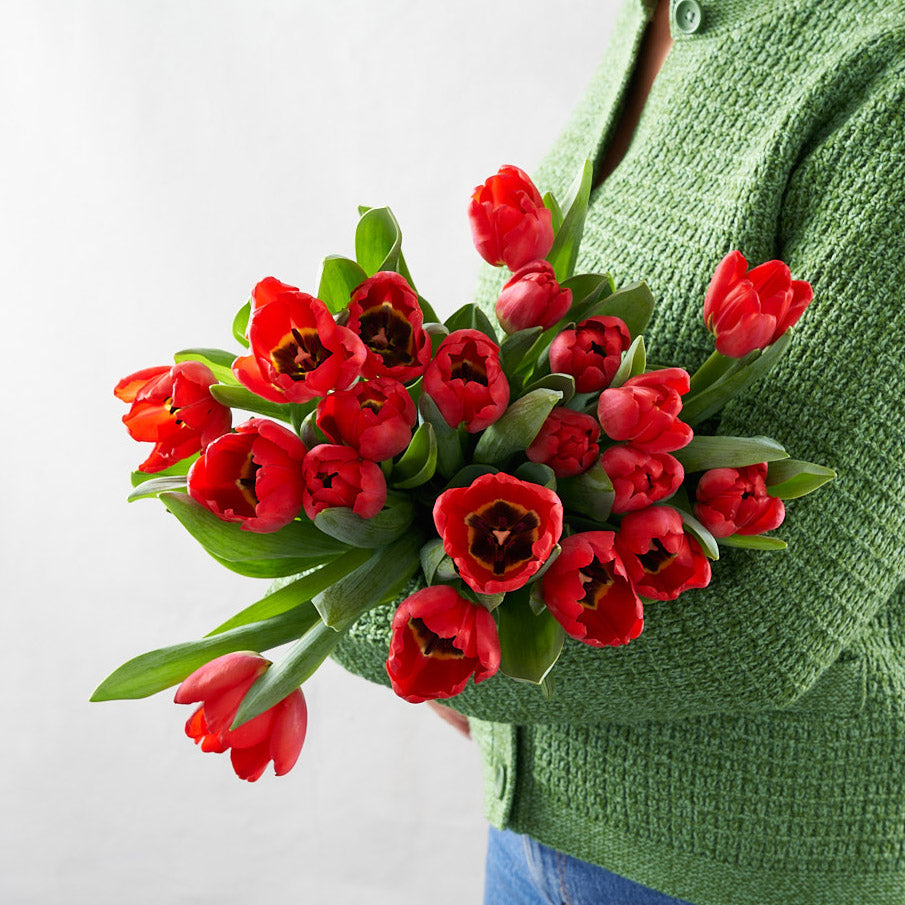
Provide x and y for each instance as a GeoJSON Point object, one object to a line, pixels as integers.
{"type": "Point", "coordinates": [748, 748]}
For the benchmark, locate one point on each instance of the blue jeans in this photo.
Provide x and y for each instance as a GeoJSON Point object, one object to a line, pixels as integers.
{"type": "Point", "coordinates": [521, 871]}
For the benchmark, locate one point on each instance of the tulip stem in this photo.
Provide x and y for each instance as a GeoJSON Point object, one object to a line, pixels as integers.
{"type": "Point", "coordinates": [710, 372]}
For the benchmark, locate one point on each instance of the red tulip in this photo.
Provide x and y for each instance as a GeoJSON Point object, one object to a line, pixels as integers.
{"type": "Point", "coordinates": [253, 476]}
{"type": "Point", "coordinates": [588, 591]}
{"type": "Point", "coordinates": [439, 640]}
{"type": "Point", "coordinates": [591, 352]}
{"type": "Point", "coordinates": [567, 442]}
{"type": "Point", "coordinates": [747, 311]}
{"type": "Point", "coordinates": [532, 298]}
{"type": "Point", "coordinates": [268, 290]}
{"type": "Point", "coordinates": [466, 380]}
{"type": "Point", "coordinates": [375, 417]}
{"type": "Point", "coordinates": [661, 559]}
{"type": "Point", "coordinates": [298, 352]}
{"type": "Point", "coordinates": [385, 314]}
{"type": "Point", "coordinates": [509, 223]}
{"type": "Point", "coordinates": [640, 478]}
{"type": "Point", "coordinates": [173, 409]}
{"type": "Point", "coordinates": [735, 501]}
{"type": "Point", "coordinates": [645, 410]}
{"type": "Point", "coordinates": [337, 476]}
{"type": "Point", "coordinates": [276, 735]}
{"type": "Point", "coordinates": [499, 530]}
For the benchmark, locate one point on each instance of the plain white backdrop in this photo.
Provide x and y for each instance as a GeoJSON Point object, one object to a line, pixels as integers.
{"type": "Point", "coordinates": [156, 160]}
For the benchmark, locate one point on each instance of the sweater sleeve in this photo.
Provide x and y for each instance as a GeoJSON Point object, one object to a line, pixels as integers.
{"type": "Point", "coordinates": [769, 625]}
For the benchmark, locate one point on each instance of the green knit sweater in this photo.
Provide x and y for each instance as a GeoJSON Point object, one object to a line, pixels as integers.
{"type": "Point", "coordinates": [748, 748]}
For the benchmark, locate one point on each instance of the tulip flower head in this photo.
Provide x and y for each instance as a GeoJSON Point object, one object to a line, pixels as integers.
{"type": "Point", "coordinates": [662, 560]}
{"type": "Point", "coordinates": [509, 223]}
{"type": "Point", "coordinates": [172, 408]}
{"type": "Point", "coordinates": [736, 501]}
{"type": "Point", "coordinates": [384, 313]}
{"type": "Point", "coordinates": [276, 735]}
{"type": "Point", "coordinates": [440, 639]}
{"type": "Point", "coordinates": [337, 476]}
{"type": "Point", "coordinates": [253, 476]}
{"type": "Point", "coordinates": [588, 591]}
{"type": "Point", "coordinates": [640, 478]}
{"type": "Point", "coordinates": [567, 442]}
{"type": "Point", "coordinates": [591, 352]}
{"type": "Point", "coordinates": [532, 298]}
{"type": "Point", "coordinates": [751, 310]}
{"type": "Point", "coordinates": [499, 530]}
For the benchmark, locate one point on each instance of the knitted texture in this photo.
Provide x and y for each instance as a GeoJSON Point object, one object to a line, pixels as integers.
{"type": "Point", "coordinates": [748, 748]}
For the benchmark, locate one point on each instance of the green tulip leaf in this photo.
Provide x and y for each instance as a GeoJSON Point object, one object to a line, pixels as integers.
{"type": "Point", "coordinates": [701, 406]}
{"type": "Point", "coordinates": [634, 360]}
{"type": "Point", "coordinates": [431, 555]}
{"type": "Point", "coordinates": [565, 383]}
{"type": "Point", "coordinates": [535, 473]}
{"type": "Point", "coordinates": [467, 475]}
{"type": "Point", "coordinates": [159, 669]}
{"type": "Point", "coordinates": [284, 676]}
{"type": "Point", "coordinates": [378, 240]}
{"type": "Point", "coordinates": [633, 304]}
{"type": "Point", "coordinates": [218, 360]}
{"type": "Point", "coordinates": [378, 531]}
{"type": "Point", "coordinates": [388, 569]}
{"type": "Point", "coordinates": [704, 453]}
{"type": "Point", "coordinates": [590, 493]}
{"type": "Point", "coordinates": [793, 478]}
{"type": "Point", "coordinates": [418, 463]}
{"type": "Point", "coordinates": [240, 323]}
{"type": "Point", "coordinates": [180, 468]}
{"type": "Point", "coordinates": [587, 289]}
{"type": "Point", "coordinates": [340, 277]}
{"type": "Point", "coordinates": [155, 486]}
{"type": "Point", "coordinates": [564, 253]}
{"type": "Point", "coordinates": [471, 317]}
{"type": "Point", "coordinates": [291, 550]}
{"type": "Point", "coordinates": [530, 644]}
{"type": "Point", "coordinates": [707, 541]}
{"type": "Point", "coordinates": [240, 398]}
{"type": "Point", "coordinates": [552, 205]}
{"type": "Point", "coordinates": [450, 440]}
{"type": "Point", "coordinates": [753, 542]}
{"type": "Point", "coordinates": [518, 426]}
{"type": "Point", "coordinates": [296, 592]}
{"type": "Point", "coordinates": [515, 347]}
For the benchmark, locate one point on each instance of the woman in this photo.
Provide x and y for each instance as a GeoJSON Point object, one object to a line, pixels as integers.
{"type": "Point", "coordinates": [748, 747]}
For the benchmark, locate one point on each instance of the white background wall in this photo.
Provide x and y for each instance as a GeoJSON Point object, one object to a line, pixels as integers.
{"type": "Point", "coordinates": [156, 160]}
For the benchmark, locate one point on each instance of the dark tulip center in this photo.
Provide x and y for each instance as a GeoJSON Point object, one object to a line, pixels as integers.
{"type": "Point", "coordinates": [468, 365]}
{"type": "Point", "coordinates": [597, 581]}
{"type": "Point", "coordinates": [501, 535]}
{"type": "Point", "coordinates": [387, 332]}
{"type": "Point", "coordinates": [326, 478]}
{"type": "Point", "coordinates": [656, 559]}
{"type": "Point", "coordinates": [431, 644]}
{"type": "Point", "coordinates": [300, 351]}
{"type": "Point", "coordinates": [245, 484]}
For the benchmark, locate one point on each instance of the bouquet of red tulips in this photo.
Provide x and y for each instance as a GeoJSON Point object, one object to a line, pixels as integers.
{"type": "Point", "coordinates": [538, 478]}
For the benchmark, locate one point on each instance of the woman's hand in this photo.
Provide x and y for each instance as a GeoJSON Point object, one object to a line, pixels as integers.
{"type": "Point", "coordinates": [456, 720]}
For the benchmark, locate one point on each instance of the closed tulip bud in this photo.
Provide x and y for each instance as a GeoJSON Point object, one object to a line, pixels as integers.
{"type": "Point", "coordinates": [645, 411]}
{"type": "Point", "coordinates": [509, 223]}
{"type": "Point", "coordinates": [567, 442]}
{"type": "Point", "coordinates": [591, 352]}
{"type": "Point", "coordinates": [751, 310]}
{"type": "Point", "coordinates": [532, 298]}
{"type": "Point", "coordinates": [338, 476]}
{"type": "Point", "coordinates": [640, 478]}
{"type": "Point", "coordinates": [736, 501]}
